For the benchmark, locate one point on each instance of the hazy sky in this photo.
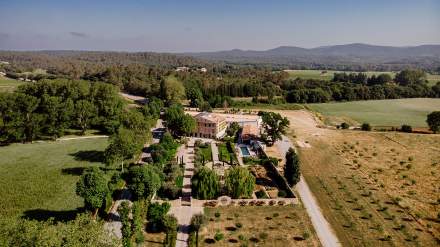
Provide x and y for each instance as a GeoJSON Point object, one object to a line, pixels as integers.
{"type": "Point", "coordinates": [184, 25]}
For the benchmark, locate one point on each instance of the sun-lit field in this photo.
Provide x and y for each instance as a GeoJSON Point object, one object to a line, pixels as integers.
{"type": "Point", "coordinates": [38, 180]}
{"type": "Point", "coordinates": [374, 188]}
{"type": "Point", "coordinates": [258, 226]}
{"type": "Point", "coordinates": [377, 189]}
{"type": "Point", "coordinates": [9, 85]}
{"type": "Point", "coordinates": [328, 74]}
{"type": "Point", "coordinates": [382, 112]}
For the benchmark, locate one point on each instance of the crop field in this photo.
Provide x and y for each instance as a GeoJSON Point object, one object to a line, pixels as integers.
{"type": "Point", "coordinates": [38, 180]}
{"type": "Point", "coordinates": [382, 112]}
{"type": "Point", "coordinates": [328, 74]}
{"type": "Point", "coordinates": [258, 226]}
{"type": "Point", "coordinates": [377, 189]}
{"type": "Point", "coordinates": [9, 85]}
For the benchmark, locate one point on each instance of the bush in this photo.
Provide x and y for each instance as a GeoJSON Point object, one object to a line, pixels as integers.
{"type": "Point", "coordinates": [406, 128]}
{"type": "Point", "coordinates": [282, 193]}
{"type": "Point", "coordinates": [218, 236]}
{"type": "Point", "coordinates": [261, 194]}
{"type": "Point", "coordinates": [345, 125]}
{"type": "Point", "coordinates": [366, 127]}
{"type": "Point", "coordinates": [217, 214]}
{"type": "Point", "coordinates": [263, 235]}
{"type": "Point", "coordinates": [239, 225]}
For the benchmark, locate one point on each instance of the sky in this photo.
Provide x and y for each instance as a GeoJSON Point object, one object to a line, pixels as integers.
{"type": "Point", "coordinates": [192, 26]}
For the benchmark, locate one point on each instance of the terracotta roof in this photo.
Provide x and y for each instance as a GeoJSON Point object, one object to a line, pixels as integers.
{"type": "Point", "coordinates": [249, 129]}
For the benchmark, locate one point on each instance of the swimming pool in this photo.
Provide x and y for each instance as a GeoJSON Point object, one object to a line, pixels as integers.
{"type": "Point", "coordinates": [244, 151]}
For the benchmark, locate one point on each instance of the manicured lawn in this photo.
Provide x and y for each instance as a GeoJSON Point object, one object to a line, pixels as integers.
{"type": "Point", "coordinates": [39, 179]}
{"type": "Point", "coordinates": [382, 112]}
{"type": "Point", "coordinates": [224, 154]}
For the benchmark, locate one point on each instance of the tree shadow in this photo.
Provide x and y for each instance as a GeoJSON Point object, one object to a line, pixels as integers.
{"type": "Point", "coordinates": [89, 155]}
{"type": "Point", "coordinates": [75, 171]}
{"type": "Point", "coordinates": [58, 216]}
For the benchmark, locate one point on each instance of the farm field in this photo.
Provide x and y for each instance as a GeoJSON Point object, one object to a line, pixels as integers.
{"type": "Point", "coordinates": [382, 112]}
{"type": "Point", "coordinates": [38, 180]}
{"type": "Point", "coordinates": [258, 226]}
{"type": "Point", "coordinates": [375, 188]}
{"type": "Point", "coordinates": [9, 85]}
{"type": "Point", "coordinates": [328, 74]}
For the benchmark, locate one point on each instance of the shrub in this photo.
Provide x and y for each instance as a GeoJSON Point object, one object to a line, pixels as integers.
{"type": "Point", "coordinates": [263, 235]}
{"type": "Point", "coordinates": [406, 128]}
{"type": "Point", "coordinates": [366, 127]}
{"type": "Point", "coordinates": [306, 235]}
{"type": "Point", "coordinates": [345, 125]}
{"type": "Point", "coordinates": [217, 214]}
{"type": "Point", "coordinates": [239, 225]}
{"type": "Point", "coordinates": [261, 194]}
{"type": "Point", "coordinates": [282, 193]}
{"type": "Point", "coordinates": [218, 236]}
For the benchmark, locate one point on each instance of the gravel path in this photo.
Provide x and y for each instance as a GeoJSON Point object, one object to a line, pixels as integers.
{"type": "Point", "coordinates": [322, 227]}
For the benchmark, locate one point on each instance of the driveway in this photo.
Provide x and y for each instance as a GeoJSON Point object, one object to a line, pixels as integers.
{"type": "Point", "coordinates": [323, 229]}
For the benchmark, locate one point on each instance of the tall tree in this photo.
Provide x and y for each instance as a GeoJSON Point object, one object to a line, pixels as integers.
{"type": "Point", "coordinates": [239, 182]}
{"type": "Point", "coordinates": [93, 187]}
{"type": "Point", "coordinates": [85, 111]}
{"type": "Point", "coordinates": [178, 122]}
{"type": "Point", "coordinates": [197, 222]}
{"type": "Point", "coordinates": [291, 171]}
{"type": "Point", "coordinates": [274, 125]}
{"type": "Point", "coordinates": [123, 146]}
{"type": "Point", "coordinates": [144, 181]}
{"type": "Point", "coordinates": [205, 184]}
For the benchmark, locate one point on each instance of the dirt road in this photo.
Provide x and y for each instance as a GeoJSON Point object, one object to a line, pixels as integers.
{"type": "Point", "coordinates": [305, 125]}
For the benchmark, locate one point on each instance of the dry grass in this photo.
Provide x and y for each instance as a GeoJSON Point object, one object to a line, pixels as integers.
{"type": "Point", "coordinates": [259, 226]}
{"type": "Point", "coordinates": [375, 185]}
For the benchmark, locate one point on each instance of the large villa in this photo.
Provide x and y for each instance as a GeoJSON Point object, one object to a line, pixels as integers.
{"type": "Point", "coordinates": [210, 125]}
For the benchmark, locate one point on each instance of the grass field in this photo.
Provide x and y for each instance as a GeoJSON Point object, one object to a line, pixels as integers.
{"type": "Point", "coordinates": [9, 85]}
{"type": "Point", "coordinates": [259, 226]}
{"type": "Point", "coordinates": [328, 74]}
{"type": "Point", "coordinates": [382, 112]}
{"type": "Point", "coordinates": [38, 180]}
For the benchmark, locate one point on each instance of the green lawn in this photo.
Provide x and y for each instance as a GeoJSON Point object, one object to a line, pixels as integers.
{"type": "Point", "coordinates": [39, 179]}
{"type": "Point", "coordinates": [382, 112]}
{"type": "Point", "coordinates": [318, 74]}
{"type": "Point", "coordinates": [9, 85]}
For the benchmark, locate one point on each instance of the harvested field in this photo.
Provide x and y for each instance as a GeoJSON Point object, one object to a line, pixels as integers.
{"type": "Point", "coordinates": [258, 226]}
{"type": "Point", "coordinates": [376, 189]}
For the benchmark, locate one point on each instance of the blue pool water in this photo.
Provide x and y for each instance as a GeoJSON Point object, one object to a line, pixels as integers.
{"type": "Point", "coordinates": [244, 151]}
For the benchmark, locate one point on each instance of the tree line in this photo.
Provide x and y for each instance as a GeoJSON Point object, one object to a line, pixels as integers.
{"type": "Point", "coordinates": [52, 108]}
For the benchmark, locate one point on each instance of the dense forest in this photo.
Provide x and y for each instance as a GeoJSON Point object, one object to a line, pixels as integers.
{"type": "Point", "coordinates": [154, 74]}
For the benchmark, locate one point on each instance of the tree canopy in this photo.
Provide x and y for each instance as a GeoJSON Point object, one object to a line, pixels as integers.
{"type": "Point", "coordinates": [274, 125]}
{"type": "Point", "coordinates": [239, 182]}
{"type": "Point", "coordinates": [205, 184]}
{"type": "Point", "coordinates": [292, 171]}
{"type": "Point", "coordinates": [93, 187]}
{"type": "Point", "coordinates": [433, 120]}
{"type": "Point", "coordinates": [144, 181]}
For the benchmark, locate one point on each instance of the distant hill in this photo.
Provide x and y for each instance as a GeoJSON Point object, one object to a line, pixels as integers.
{"type": "Point", "coordinates": [427, 56]}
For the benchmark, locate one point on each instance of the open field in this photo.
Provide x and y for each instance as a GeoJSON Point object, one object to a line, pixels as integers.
{"type": "Point", "coordinates": [375, 189]}
{"type": "Point", "coordinates": [259, 226]}
{"type": "Point", "coordinates": [382, 112]}
{"type": "Point", "coordinates": [38, 180]}
{"type": "Point", "coordinates": [9, 85]}
{"type": "Point", "coordinates": [328, 74]}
